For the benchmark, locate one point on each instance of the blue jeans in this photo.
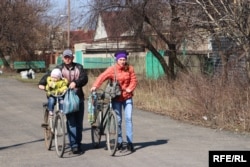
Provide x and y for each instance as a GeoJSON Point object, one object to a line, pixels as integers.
{"type": "Point", "coordinates": [127, 106]}
{"type": "Point", "coordinates": [75, 126]}
{"type": "Point", "coordinates": [52, 102]}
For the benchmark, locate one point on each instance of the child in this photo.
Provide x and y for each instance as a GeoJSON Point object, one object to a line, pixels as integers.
{"type": "Point", "coordinates": [56, 85]}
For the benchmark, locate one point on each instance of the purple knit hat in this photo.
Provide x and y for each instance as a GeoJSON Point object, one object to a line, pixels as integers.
{"type": "Point", "coordinates": [121, 54]}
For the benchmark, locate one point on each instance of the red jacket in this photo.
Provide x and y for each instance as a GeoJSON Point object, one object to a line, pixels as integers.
{"type": "Point", "coordinates": [126, 79]}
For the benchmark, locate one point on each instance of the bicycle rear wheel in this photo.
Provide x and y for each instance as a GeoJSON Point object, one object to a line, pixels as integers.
{"type": "Point", "coordinates": [96, 131]}
{"type": "Point", "coordinates": [48, 135]}
{"type": "Point", "coordinates": [60, 129]}
{"type": "Point", "coordinates": [112, 132]}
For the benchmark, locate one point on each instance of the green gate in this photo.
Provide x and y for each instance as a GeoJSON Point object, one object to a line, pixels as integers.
{"type": "Point", "coordinates": [154, 69]}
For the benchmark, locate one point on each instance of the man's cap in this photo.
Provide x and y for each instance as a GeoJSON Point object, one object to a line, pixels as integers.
{"type": "Point", "coordinates": [67, 52]}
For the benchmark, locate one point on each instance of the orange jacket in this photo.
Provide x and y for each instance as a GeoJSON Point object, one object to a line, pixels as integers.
{"type": "Point", "coordinates": [126, 79]}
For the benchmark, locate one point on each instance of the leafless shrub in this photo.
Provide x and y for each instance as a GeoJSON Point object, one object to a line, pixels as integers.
{"type": "Point", "coordinates": [215, 103]}
{"type": "Point", "coordinates": [198, 100]}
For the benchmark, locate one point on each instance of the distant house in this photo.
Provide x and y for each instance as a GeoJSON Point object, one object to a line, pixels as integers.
{"type": "Point", "coordinates": [108, 37]}
{"type": "Point", "coordinates": [81, 36]}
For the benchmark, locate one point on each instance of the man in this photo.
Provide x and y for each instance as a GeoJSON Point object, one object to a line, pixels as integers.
{"type": "Point", "coordinates": [77, 77]}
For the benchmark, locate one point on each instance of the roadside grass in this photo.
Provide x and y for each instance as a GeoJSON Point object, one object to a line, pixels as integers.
{"type": "Point", "coordinates": [18, 77]}
{"type": "Point", "coordinates": [196, 100]}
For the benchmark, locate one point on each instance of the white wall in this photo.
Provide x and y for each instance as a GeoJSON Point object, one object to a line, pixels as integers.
{"type": "Point", "coordinates": [100, 32]}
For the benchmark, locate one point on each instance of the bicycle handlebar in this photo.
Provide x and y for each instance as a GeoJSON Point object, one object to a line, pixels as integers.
{"type": "Point", "coordinates": [102, 94]}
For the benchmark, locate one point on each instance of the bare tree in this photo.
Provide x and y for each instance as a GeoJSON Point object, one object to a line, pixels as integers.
{"type": "Point", "coordinates": [159, 24]}
{"type": "Point", "coordinates": [21, 28]}
{"type": "Point", "coordinates": [229, 19]}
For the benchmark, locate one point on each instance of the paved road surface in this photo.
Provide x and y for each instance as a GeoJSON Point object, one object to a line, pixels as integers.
{"type": "Point", "coordinates": [159, 141]}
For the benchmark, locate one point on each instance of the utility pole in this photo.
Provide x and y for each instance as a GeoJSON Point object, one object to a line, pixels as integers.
{"type": "Point", "coordinates": [68, 40]}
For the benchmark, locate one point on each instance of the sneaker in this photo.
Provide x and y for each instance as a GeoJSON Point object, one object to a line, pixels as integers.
{"type": "Point", "coordinates": [94, 125]}
{"type": "Point", "coordinates": [119, 146]}
{"type": "Point", "coordinates": [106, 147]}
{"type": "Point", "coordinates": [50, 113]}
{"type": "Point", "coordinates": [76, 150]}
{"type": "Point", "coordinates": [130, 147]}
{"type": "Point", "coordinates": [80, 151]}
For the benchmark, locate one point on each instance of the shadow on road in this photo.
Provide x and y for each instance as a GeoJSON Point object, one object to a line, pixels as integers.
{"type": "Point", "coordinates": [147, 144]}
{"type": "Point", "coordinates": [20, 144]}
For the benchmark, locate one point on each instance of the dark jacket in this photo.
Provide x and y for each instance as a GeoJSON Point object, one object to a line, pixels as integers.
{"type": "Point", "coordinates": [75, 74]}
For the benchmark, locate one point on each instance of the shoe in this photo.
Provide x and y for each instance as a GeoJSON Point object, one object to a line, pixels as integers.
{"type": "Point", "coordinates": [119, 146]}
{"type": "Point", "coordinates": [106, 147]}
{"type": "Point", "coordinates": [130, 147]}
{"type": "Point", "coordinates": [95, 124]}
{"type": "Point", "coordinates": [76, 150]}
{"type": "Point", "coordinates": [80, 151]}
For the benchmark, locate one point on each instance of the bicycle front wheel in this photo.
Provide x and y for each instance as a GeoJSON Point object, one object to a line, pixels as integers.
{"type": "Point", "coordinates": [96, 131]}
{"type": "Point", "coordinates": [112, 132]}
{"type": "Point", "coordinates": [60, 129]}
{"type": "Point", "coordinates": [48, 135]}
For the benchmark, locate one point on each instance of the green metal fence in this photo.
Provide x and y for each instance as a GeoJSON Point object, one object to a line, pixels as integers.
{"type": "Point", "coordinates": [154, 69]}
{"type": "Point", "coordinates": [21, 65]}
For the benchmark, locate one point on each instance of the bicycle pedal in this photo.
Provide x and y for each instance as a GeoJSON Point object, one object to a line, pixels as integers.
{"type": "Point", "coordinates": [95, 125]}
{"type": "Point", "coordinates": [44, 125]}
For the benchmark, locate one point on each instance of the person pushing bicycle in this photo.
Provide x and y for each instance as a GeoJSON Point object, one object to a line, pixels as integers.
{"type": "Point", "coordinates": [126, 77]}
{"type": "Point", "coordinates": [77, 77]}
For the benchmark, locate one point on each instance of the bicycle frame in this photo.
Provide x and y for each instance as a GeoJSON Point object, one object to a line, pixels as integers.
{"type": "Point", "coordinates": [104, 119]}
{"type": "Point", "coordinates": [106, 125]}
{"type": "Point", "coordinates": [56, 129]}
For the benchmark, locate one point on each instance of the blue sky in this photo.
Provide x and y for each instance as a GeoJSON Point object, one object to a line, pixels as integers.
{"type": "Point", "coordinates": [60, 8]}
{"type": "Point", "coordinates": [74, 4]}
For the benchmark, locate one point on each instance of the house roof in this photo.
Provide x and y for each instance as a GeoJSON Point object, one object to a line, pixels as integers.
{"type": "Point", "coordinates": [114, 24]}
{"type": "Point", "coordinates": [80, 35]}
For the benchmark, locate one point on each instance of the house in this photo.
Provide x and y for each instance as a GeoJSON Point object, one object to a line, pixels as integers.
{"type": "Point", "coordinates": [77, 36]}
{"type": "Point", "coordinates": [81, 36]}
{"type": "Point", "coordinates": [107, 39]}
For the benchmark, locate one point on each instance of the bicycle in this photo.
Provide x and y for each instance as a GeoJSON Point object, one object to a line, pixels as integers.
{"type": "Point", "coordinates": [105, 122]}
{"type": "Point", "coordinates": [55, 128]}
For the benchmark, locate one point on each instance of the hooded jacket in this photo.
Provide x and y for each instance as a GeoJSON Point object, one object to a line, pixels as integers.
{"type": "Point", "coordinates": [56, 87]}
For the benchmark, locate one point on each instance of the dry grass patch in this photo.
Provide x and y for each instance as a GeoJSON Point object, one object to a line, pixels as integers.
{"type": "Point", "coordinates": [198, 100]}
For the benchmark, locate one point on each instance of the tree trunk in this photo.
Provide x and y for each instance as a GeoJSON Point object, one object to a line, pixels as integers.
{"type": "Point", "coordinates": [172, 55]}
{"type": "Point", "coordinates": [158, 56]}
